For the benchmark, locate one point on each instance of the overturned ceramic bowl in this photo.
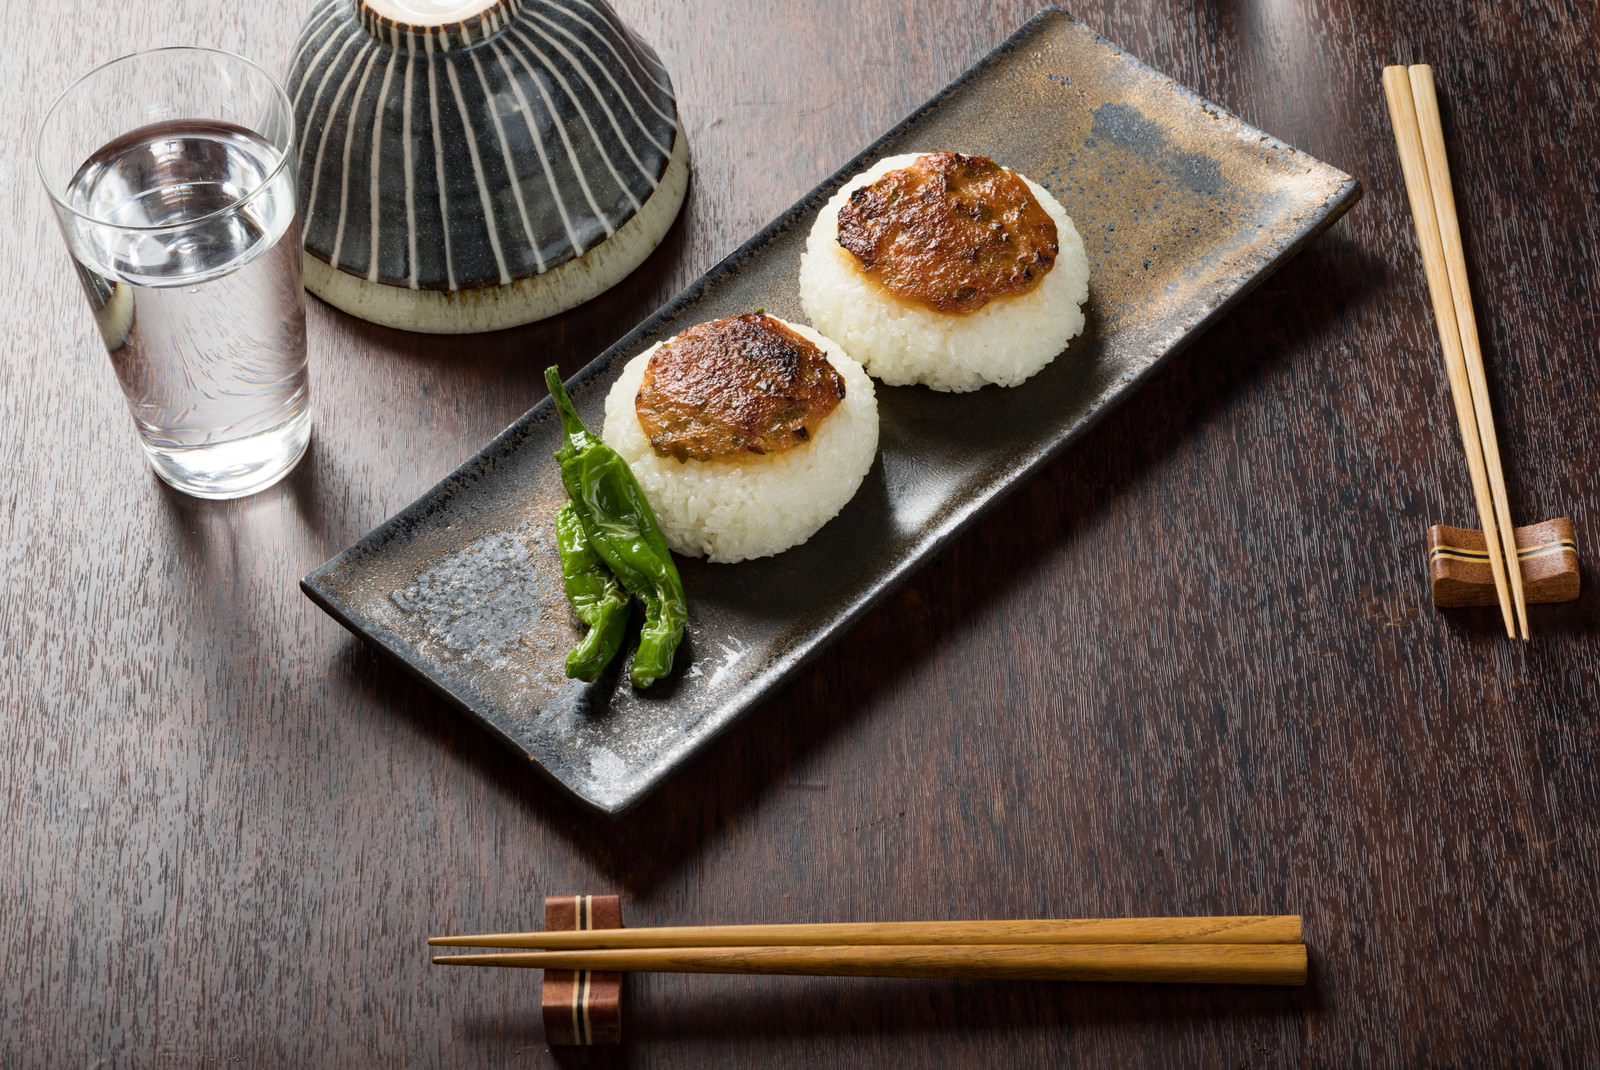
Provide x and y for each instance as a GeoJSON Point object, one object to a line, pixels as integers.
{"type": "Point", "coordinates": [467, 165]}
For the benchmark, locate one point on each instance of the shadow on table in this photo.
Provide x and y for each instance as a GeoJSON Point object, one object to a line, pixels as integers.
{"type": "Point", "coordinates": [233, 557]}
{"type": "Point", "coordinates": [738, 1010]}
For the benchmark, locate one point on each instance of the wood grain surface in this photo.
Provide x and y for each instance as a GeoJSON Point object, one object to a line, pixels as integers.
{"type": "Point", "coordinates": [1192, 668]}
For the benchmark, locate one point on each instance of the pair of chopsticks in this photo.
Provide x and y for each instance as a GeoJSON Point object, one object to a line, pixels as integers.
{"type": "Point", "coordinates": [1262, 950]}
{"type": "Point", "coordinates": [1414, 112]}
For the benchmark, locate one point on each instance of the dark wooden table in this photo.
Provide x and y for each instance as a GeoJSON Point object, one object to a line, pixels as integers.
{"type": "Point", "coordinates": [1192, 668]}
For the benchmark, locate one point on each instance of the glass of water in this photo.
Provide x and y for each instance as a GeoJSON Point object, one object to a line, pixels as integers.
{"type": "Point", "coordinates": [172, 173]}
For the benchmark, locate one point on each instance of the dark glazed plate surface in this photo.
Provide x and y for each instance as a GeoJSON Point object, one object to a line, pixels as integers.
{"type": "Point", "coordinates": [1182, 208]}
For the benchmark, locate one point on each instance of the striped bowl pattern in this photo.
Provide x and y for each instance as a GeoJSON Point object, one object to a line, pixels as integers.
{"type": "Point", "coordinates": [475, 154]}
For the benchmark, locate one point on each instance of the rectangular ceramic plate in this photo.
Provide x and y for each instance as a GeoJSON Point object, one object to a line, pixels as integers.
{"type": "Point", "coordinates": [1182, 208]}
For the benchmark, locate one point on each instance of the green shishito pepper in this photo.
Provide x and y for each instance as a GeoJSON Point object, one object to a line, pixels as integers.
{"type": "Point", "coordinates": [596, 597]}
{"type": "Point", "coordinates": [622, 531]}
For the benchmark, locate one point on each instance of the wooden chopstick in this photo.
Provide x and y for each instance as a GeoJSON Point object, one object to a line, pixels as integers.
{"type": "Point", "coordinates": [1252, 964]}
{"type": "Point", "coordinates": [1425, 213]}
{"type": "Point", "coordinates": [1444, 205]}
{"type": "Point", "coordinates": [1245, 929]}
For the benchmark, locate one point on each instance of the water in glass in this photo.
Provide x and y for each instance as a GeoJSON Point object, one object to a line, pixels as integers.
{"type": "Point", "coordinates": [198, 296]}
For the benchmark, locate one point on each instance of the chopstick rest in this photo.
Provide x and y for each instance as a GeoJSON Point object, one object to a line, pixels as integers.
{"type": "Point", "coordinates": [582, 1007]}
{"type": "Point", "coordinates": [1458, 564]}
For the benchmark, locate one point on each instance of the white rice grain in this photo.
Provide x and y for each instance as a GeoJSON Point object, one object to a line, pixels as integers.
{"type": "Point", "coordinates": [749, 505]}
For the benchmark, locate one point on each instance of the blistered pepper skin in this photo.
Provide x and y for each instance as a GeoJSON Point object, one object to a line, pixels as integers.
{"type": "Point", "coordinates": [596, 597]}
{"type": "Point", "coordinates": [622, 530]}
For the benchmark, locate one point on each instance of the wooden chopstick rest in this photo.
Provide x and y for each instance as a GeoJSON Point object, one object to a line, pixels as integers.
{"type": "Point", "coordinates": [1458, 564]}
{"type": "Point", "coordinates": [582, 1007]}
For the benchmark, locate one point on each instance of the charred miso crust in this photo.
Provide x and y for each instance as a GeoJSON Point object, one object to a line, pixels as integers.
{"type": "Point", "coordinates": [744, 384]}
{"type": "Point", "coordinates": [951, 232]}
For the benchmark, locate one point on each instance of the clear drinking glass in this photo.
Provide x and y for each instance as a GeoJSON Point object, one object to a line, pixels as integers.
{"type": "Point", "coordinates": [172, 173]}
